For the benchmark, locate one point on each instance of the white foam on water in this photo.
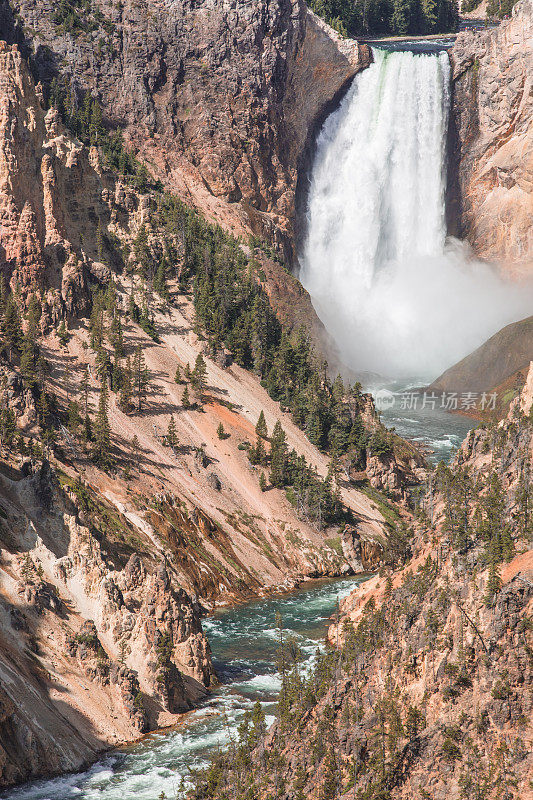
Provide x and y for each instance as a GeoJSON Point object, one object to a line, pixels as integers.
{"type": "Point", "coordinates": [158, 763]}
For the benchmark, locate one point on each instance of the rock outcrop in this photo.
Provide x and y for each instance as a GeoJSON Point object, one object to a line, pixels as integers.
{"type": "Point", "coordinates": [491, 152]}
{"type": "Point", "coordinates": [80, 636]}
{"type": "Point", "coordinates": [222, 101]}
{"type": "Point", "coordinates": [51, 194]}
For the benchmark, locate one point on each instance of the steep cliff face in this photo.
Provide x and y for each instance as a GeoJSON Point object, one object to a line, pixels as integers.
{"type": "Point", "coordinates": [491, 170]}
{"type": "Point", "coordinates": [51, 195]}
{"type": "Point", "coordinates": [221, 101]}
{"type": "Point", "coordinates": [499, 359]}
{"type": "Point", "coordinates": [85, 629]}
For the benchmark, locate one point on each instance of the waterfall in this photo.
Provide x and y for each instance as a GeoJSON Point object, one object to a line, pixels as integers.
{"type": "Point", "coordinates": [398, 298]}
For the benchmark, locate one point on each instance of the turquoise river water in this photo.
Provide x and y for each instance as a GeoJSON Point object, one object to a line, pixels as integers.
{"type": "Point", "coordinates": [244, 642]}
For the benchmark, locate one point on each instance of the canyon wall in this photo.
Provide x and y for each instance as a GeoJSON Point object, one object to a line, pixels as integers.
{"type": "Point", "coordinates": [105, 572]}
{"type": "Point", "coordinates": [491, 140]}
{"type": "Point", "coordinates": [221, 101]}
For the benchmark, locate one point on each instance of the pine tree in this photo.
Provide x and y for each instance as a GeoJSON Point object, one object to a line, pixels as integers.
{"type": "Point", "coordinates": [102, 432]}
{"type": "Point", "coordinates": [494, 582]}
{"type": "Point", "coordinates": [262, 482]}
{"type": "Point", "coordinates": [140, 377]}
{"type": "Point", "coordinates": [126, 388]}
{"type": "Point", "coordinates": [221, 433]}
{"type": "Point", "coordinates": [260, 452]}
{"type": "Point", "coordinates": [185, 401]}
{"type": "Point", "coordinates": [278, 456]}
{"type": "Point", "coordinates": [199, 376]}
{"type": "Point", "coordinates": [11, 327]}
{"type": "Point", "coordinates": [430, 14]}
{"type": "Point", "coordinates": [331, 777]}
{"type": "Point", "coordinates": [160, 279]}
{"type": "Point", "coordinates": [85, 386]}
{"type": "Point", "coordinates": [34, 315]}
{"type": "Point", "coordinates": [261, 426]}
{"type": "Point", "coordinates": [116, 337]}
{"type": "Point", "coordinates": [177, 377]}
{"type": "Point", "coordinates": [74, 417]}
{"type": "Point", "coordinates": [401, 17]}
{"type": "Point", "coordinates": [28, 360]}
{"type": "Point", "coordinates": [43, 410]}
{"type": "Point", "coordinates": [116, 374]}
{"type": "Point", "coordinates": [102, 363]}
{"type": "Point", "coordinates": [172, 438]}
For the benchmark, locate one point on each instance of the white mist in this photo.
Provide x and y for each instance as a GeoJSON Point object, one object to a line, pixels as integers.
{"type": "Point", "coordinates": [395, 296]}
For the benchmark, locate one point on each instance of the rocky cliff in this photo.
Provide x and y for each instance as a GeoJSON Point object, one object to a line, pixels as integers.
{"type": "Point", "coordinates": [221, 101]}
{"type": "Point", "coordinates": [85, 628]}
{"type": "Point", "coordinates": [491, 152]}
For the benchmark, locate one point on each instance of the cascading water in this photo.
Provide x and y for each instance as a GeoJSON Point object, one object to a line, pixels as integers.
{"type": "Point", "coordinates": [397, 298]}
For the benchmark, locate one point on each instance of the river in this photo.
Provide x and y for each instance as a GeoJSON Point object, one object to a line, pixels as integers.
{"type": "Point", "coordinates": [244, 643]}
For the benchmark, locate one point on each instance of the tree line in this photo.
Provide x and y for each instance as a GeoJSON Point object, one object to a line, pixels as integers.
{"type": "Point", "coordinates": [381, 17]}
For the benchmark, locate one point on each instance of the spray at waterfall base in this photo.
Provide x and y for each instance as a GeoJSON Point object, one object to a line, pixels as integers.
{"type": "Point", "coordinates": [398, 297]}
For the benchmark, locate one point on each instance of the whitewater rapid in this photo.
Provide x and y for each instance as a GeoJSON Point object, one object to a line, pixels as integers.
{"type": "Point", "coordinates": [398, 298]}
{"type": "Point", "coordinates": [244, 643]}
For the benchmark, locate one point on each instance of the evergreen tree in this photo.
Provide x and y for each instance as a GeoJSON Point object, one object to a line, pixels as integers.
{"type": "Point", "coordinates": [11, 326]}
{"type": "Point", "coordinates": [74, 417]}
{"type": "Point", "coordinates": [494, 581]}
{"type": "Point", "coordinates": [261, 426]}
{"type": "Point", "coordinates": [262, 482]}
{"type": "Point", "coordinates": [260, 456]}
{"type": "Point", "coordinates": [126, 388]}
{"type": "Point", "coordinates": [86, 405]}
{"type": "Point", "coordinates": [430, 14]}
{"type": "Point", "coordinates": [177, 377]}
{"type": "Point", "coordinates": [330, 785]}
{"type": "Point", "coordinates": [172, 438]}
{"type": "Point", "coordinates": [143, 253]}
{"type": "Point", "coordinates": [185, 401]}
{"type": "Point", "coordinates": [34, 316]}
{"type": "Point", "coordinates": [102, 431]}
{"type": "Point", "coordinates": [221, 433]}
{"type": "Point", "coordinates": [28, 360]}
{"type": "Point", "coordinates": [116, 337]}
{"type": "Point", "coordinates": [278, 457]}
{"type": "Point", "coordinates": [199, 376]}
{"type": "Point", "coordinates": [140, 377]}
{"type": "Point", "coordinates": [400, 22]}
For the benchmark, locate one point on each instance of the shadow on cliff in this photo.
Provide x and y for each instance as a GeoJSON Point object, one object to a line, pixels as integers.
{"type": "Point", "coordinates": [62, 737]}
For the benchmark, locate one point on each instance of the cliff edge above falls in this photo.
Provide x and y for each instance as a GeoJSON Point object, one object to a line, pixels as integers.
{"type": "Point", "coordinates": [221, 100]}
{"type": "Point", "coordinates": [491, 196]}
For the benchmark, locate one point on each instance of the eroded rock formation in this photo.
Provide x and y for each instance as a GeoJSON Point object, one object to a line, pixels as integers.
{"type": "Point", "coordinates": [74, 623]}
{"type": "Point", "coordinates": [222, 101]}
